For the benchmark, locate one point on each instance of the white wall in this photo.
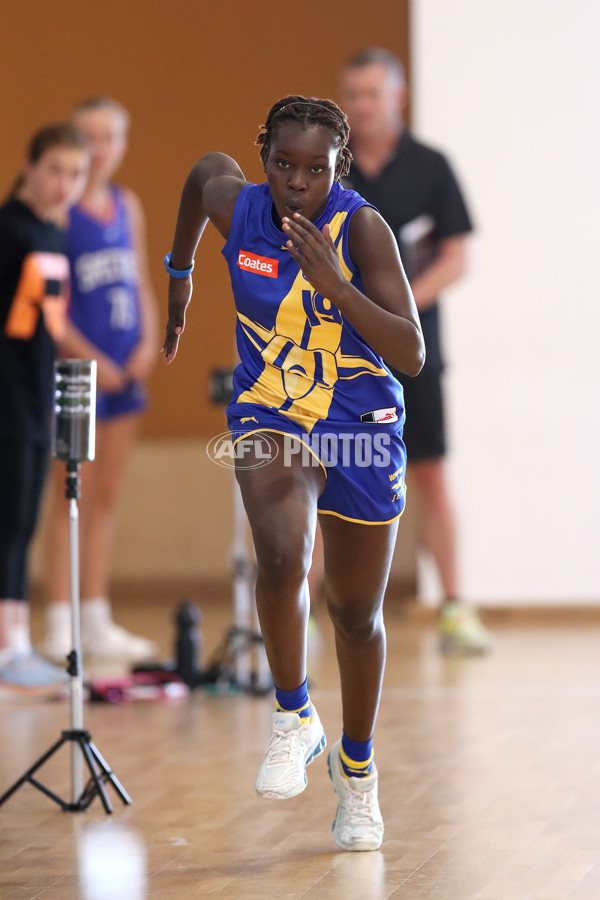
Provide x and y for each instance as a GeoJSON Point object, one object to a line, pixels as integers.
{"type": "Point", "coordinates": [509, 89]}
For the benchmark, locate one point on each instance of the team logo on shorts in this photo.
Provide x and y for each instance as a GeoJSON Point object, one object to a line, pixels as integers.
{"type": "Point", "coordinates": [260, 265]}
{"type": "Point", "coordinates": [240, 450]}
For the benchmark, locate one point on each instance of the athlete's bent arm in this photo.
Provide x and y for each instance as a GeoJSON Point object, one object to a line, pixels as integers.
{"type": "Point", "coordinates": [386, 315]}
{"type": "Point", "coordinates": [209, 192]}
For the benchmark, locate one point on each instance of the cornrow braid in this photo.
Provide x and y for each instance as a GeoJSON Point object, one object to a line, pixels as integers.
{"type": "Point", "coordinates": [308, 111]}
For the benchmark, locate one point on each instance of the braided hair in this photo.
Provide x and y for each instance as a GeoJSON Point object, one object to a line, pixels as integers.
{"type": "Point", "coordinates": [308, 111]}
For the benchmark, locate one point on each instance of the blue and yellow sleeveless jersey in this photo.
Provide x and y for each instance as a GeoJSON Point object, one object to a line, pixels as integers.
{"type": "Point", "coordinates": [298, 355]}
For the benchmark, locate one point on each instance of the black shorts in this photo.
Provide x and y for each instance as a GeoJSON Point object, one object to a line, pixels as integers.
{"type": "Point", "coordinates": [424, 429]}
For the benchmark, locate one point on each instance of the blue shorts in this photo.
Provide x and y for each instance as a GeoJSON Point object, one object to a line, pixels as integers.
{"type": "Point", "coordinates": [364, 463]}
{"type": "Point", "coordinates": [132, 399]}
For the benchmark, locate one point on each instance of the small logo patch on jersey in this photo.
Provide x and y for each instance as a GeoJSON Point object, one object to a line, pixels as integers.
{"type": "Point", "coordinates": [381, 415]}
{"type": "Point", "coordinates": [260, 265]}
{"type": "Point", "coordinates": [248, 419]}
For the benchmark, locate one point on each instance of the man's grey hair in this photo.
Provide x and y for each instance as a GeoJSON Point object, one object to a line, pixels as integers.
{"type": "Point", "coordinates": [377, 56]}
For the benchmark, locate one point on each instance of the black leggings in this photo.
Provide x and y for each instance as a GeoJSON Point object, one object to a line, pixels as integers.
{"type": "Point", "coordinates": [23, 467]}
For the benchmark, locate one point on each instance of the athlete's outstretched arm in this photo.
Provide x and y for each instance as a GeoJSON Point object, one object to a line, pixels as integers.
{"type": "Point", "coordinates": [209, 192]}
{"type": "Point", "coordinates": [385, 315]}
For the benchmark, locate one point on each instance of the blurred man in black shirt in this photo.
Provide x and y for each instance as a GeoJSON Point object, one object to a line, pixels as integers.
{"type": "Point", "coordinates": [416, 192]}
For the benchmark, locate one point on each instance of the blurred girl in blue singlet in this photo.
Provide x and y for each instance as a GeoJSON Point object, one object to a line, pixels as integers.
{"type": "Point", "coordinates": [112, 319]}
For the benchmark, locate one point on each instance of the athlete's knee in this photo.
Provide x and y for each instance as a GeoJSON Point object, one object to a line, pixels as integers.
{"type": "Point", "coordinates": [356, 618]}
{"type": "Point", "coordinates": [281, 570]}
{"type": "Point", "coordinates": [283, 561]}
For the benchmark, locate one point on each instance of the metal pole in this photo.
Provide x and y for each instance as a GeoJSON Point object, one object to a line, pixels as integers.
{"type": "Point", "coordinates": [76, 685]}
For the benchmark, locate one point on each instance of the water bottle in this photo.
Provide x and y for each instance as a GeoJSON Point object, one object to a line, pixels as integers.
{"type": "Point", "coordinates": [189, 644]}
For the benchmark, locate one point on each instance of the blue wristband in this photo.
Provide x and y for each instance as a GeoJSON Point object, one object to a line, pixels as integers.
{"type": "Point", "coordinates": [177, 273]}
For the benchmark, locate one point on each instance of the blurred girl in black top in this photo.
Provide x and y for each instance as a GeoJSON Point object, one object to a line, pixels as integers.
{"type": "Point", "coordinates": [33, 297]}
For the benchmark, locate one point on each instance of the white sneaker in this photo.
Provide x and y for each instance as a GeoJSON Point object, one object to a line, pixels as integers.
{"type": "Point", "coordinates": [100, 636]}
{"type": "Point", "coordinates": [358, 824]}
{"type": "Point", "coordinates": [292, 747]}
{"type": "Point", "coordinates": [55, 649]}
{"type": "Point", "coordinates": [114, 642]}
{"type": "Point", "coordinates": [57, 641]}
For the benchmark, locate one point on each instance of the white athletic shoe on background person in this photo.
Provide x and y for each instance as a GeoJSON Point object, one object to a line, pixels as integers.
{"type": "Point", "coordinates": [292, 747]}
{"type": "Point", "coordinates": [100, 635]}
{"type": "Point", "coordinates": [358, 824]}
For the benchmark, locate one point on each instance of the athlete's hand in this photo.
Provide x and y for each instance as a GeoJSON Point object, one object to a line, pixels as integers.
{"type": "Point", "coordinates": [314, 252]}
{"type": "Point", "coordinates": [180, 294]}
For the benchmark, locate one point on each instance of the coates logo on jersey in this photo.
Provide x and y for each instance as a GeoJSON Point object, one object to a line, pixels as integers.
{"type": "Point", "coordinates": [260, 265]}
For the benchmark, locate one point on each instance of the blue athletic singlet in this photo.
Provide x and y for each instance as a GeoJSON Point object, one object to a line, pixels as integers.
{"type": "Point", "coordinates": [105, 304]}
{"type": "Point", "coordinates": [303, 369]}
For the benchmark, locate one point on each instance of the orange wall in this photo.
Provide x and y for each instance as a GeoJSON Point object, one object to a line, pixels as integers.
{"type": "Point", "coordinates": [196, 76]}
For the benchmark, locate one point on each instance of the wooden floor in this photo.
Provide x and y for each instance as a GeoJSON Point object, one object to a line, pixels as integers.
{"type": "Point", "coordinates": [489, 781]}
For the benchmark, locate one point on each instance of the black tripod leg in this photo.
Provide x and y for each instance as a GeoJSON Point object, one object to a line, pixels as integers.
{"type": "Point", "coordinates": [46, 790]}
{"type": "Point", "coordinates": [108, 774]}
{"type": "Point", "coordinates": [37, 784]}
{"type": "Point", "coordinates": [97, 786]}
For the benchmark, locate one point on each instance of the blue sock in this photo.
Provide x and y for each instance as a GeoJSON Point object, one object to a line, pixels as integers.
{"type": "Point", "coordinates": [356, 757]}
{"type": "Point", "coordinates": [294, 701]}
